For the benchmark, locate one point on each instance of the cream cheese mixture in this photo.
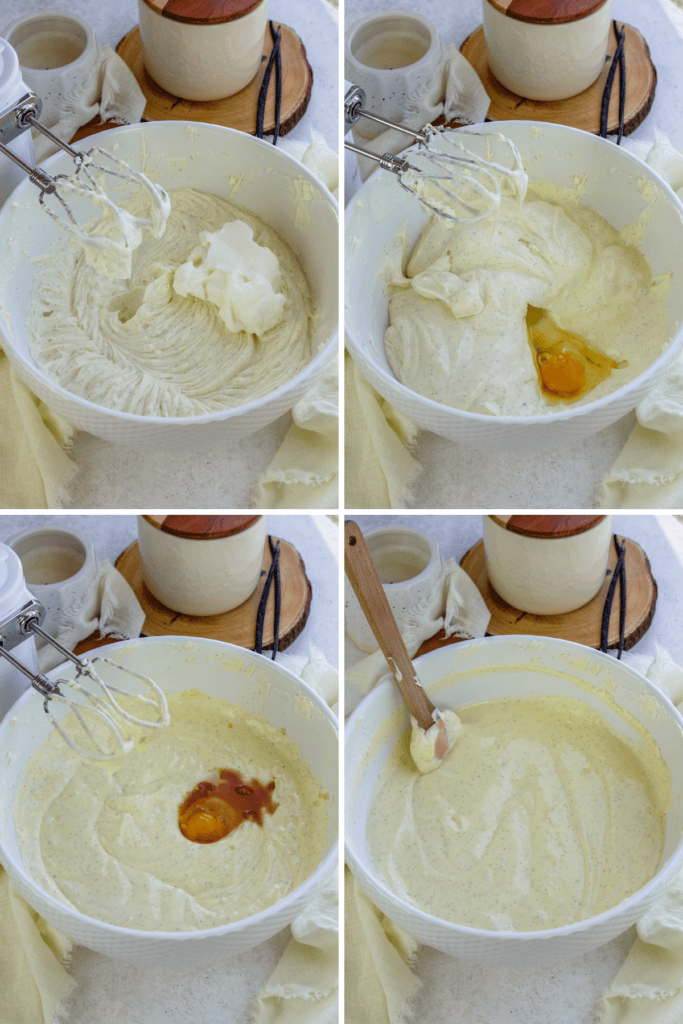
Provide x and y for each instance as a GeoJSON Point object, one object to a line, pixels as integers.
{"type": "Point", "coordinates": [457, 331]}
{"type": "Point", "coordinates": [209, 318]}
{"type": "Point", "coordinates": [105, 839]}
{"type": "Point", "coordinates": [539, 817]}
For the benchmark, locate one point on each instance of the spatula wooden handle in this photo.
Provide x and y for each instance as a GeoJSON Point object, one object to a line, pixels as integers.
{"type": "Point", "coordinates": [368, 588]}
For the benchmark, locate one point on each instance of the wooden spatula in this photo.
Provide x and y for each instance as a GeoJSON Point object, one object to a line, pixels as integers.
{"type": "Point", "coordinates": [367, 586]}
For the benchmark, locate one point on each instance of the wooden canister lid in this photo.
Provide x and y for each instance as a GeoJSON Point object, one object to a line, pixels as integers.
{"type": "Point", "coordinates": [547, 527]}
{"type": "Point", "coordinates": [201, 527]}
{"type": "Point", "coordinates": [547, 12]}
{"type": "Point", "coordinates": [203, 12]}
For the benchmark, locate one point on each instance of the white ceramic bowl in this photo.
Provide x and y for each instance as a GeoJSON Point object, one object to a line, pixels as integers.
{"type": "Point", "coordinates": [488, 669]}
{"type": "Point", "coordinates": [614, 186]}
{"type": "Point", "coordinates": [220, 670]}
{"type": "Point", "coordinates": [212, 159]}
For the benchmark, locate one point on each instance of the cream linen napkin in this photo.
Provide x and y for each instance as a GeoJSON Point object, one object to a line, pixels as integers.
{"type": "Point", "coordinates": [33, 980]}
{"type": "Point", "coordinates": [303, 988]}
{"type": "Point", "coordinates": [648, 472]}
{"type": "Point", "coordinates": [35, 468]}
{"type": "Point", "coordinates": [379, 984]}
{"type": "Point", "coordinates": [305, 470]}
{"type": "Point", "coordinates": [379, 470]}
{"type": "Point", "coordinates": [649, 987]}
{"type": "Point", "coordinates": [111, 91]}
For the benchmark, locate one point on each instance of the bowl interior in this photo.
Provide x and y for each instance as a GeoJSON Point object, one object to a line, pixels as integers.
{"type": "Point", "coordinates": [489, 669]}
{"type": "Point", "coordinates": [209, 158]}
{"type": "Point", "coordinates": [218, 669]}
{"type": "Point", "coordinates": [603, 176]}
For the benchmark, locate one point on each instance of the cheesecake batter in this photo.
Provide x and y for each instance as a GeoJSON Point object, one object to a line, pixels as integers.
{"type": "Point", "coordinates": [539, 817]}
{"type": "Point", "coordinates": [106, 839]}
{"type": "Point", "coordinates": [457, 314]}
{"type": "Point", "coordinates": [146, 345]}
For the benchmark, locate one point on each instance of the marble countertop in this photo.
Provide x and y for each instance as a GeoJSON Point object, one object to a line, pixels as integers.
{"type": "Point", "coordinates": [459, 475]}
{"type": "Point", "coordinates": [112, 476]}
{"type": "Point", "coordinates": [456, 991]}
{"type": "Point", "coordinates": [113, 992]}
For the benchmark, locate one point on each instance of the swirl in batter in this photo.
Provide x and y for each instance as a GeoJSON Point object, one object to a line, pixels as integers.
{"type": "Point", "coordinates": [458, 303]}
{"type": "Point", "coordinates": [106, 839]}
{"type": "Point", "coordinates": [139, 346]}
{"type": "Point", "coordinates": [540, 816]}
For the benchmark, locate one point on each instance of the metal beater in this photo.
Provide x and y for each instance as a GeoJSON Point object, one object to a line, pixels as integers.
{"type": "Point", "coordinates": [457, 182]}
{"type": "Point", "coordinates": [105, 707]}
{"type": "Point", "coordinates": [24, 116]}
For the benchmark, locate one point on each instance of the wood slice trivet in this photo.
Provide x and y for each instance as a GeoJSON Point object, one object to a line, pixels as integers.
{"type": "Point", "coordinates": [238, 111]}
{"type": "Point", "coordinates": [583, 625]}
{"type": "Point", "coordinates": [582, 111]}
{"type": "Point", "coordinates": [239, 625]}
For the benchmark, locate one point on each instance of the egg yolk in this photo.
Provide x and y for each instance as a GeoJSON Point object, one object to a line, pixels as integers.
{"type": "Point", "coordinates": [214, 809]}
{"type": "Point", "coordinates": [567, 365]}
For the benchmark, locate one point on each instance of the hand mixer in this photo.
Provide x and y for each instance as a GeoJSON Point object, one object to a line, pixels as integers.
{"type": "Point", "coordinates": [106, 708]}
{"type": "Point", "coordinates": [24, 116]}
{"type": "Point", "coordinates": [469, 184]}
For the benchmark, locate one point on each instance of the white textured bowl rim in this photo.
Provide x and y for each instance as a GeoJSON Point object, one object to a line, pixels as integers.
{"type": "Point", "coordinates": [322, 870]}
{"type": "Point", "coordinates": [545, 418]}
{"type": "Point", "coordinates": [320, 357]}
{"type": "Point", "coordinates": [658, 881]}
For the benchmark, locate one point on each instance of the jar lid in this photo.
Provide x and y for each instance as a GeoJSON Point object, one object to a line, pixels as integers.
{"type": "Point", "coordinates": [203, 12]}
{"type": "Point", "coordinates": [547, 527]}
{"type": "Point", "coordinates": [547, 12]}
{"type": "Point", "coordinates": [201, 527]}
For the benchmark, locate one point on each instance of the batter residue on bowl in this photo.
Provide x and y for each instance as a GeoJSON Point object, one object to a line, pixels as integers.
{"type": "Point", "coordinates": [107, 841]}
{"type": "Point", "coordinates": [540, 816]}
{"type": "Point", "coordinates": [142, 345]}
{"type": "Point", "coordinates": [458, 305]}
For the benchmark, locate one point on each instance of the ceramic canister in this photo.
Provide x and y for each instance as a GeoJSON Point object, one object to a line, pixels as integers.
{"type": "Point", "coordinates": [409, 566]}
{"type": "Point", "coordinates": [202, 49]}
{"type": "Point", "coordinates": [547, 565]}
{"type": "Point", "coordinates": [201, 565]}
{"type": "Point", "coordinates": [546, 49]}
{"type": "Point", "coordinates": [14, 594]}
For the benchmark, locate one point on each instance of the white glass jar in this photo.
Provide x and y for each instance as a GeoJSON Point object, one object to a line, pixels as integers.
{"type": "Point", "coordinates": [410, 568]}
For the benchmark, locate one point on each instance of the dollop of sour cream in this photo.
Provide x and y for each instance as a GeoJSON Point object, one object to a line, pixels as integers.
{"type": "Point", "coordinates": [157, 341]}
{"type": "Point", "coordinates": [241, 278]}
{"type": "Point", "coordinates": [428, 747]}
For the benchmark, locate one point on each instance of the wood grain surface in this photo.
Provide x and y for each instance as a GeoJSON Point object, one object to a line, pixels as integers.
{"type": "Point", "coordinates": [239, 625]}
{"type": "Point", "coordinates": [238, 111]}
{"type": "Point", "coordinates": [583, 625]}
{"type": "Point", "coordinates": [582, 111]}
